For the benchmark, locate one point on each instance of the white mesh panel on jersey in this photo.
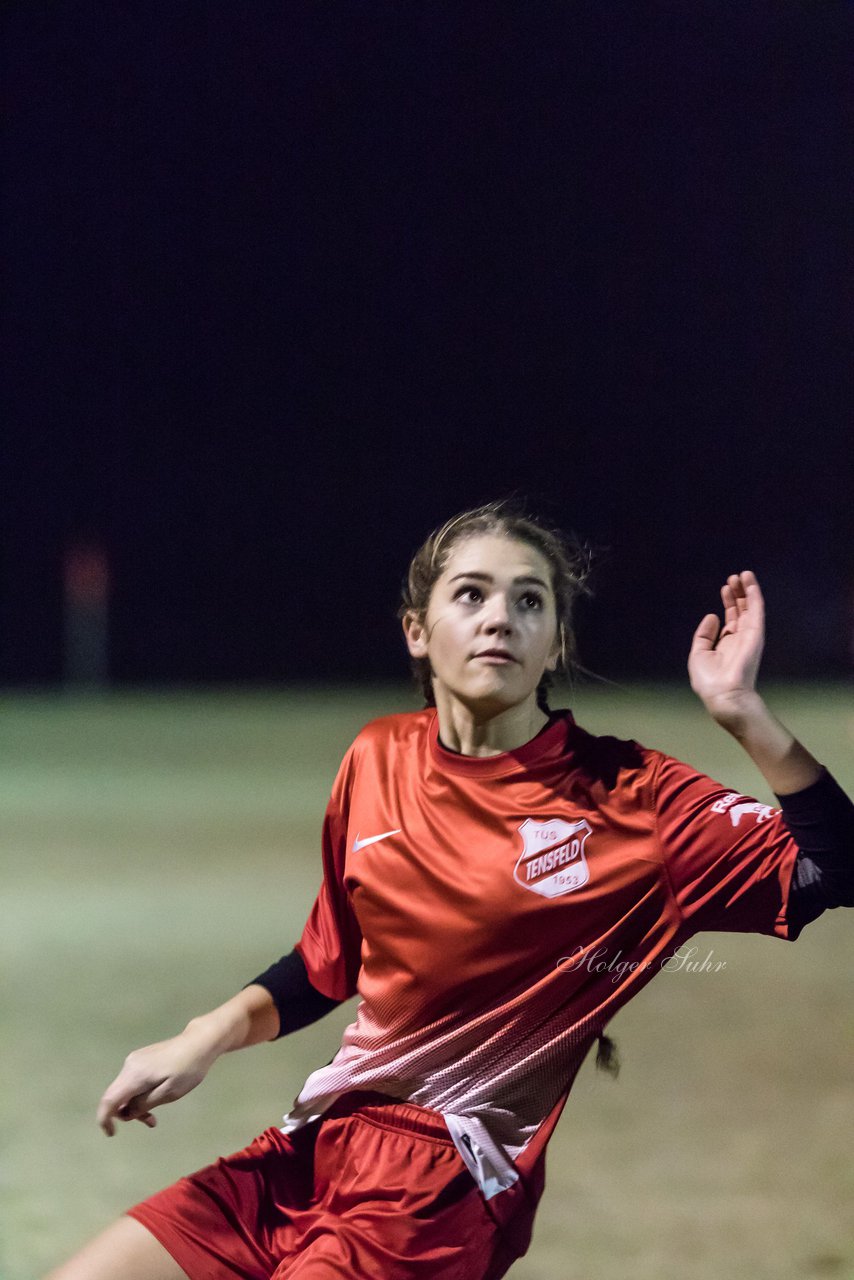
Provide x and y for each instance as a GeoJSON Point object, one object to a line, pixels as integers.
{"type": "Point", "coordinates": [494, 1078]}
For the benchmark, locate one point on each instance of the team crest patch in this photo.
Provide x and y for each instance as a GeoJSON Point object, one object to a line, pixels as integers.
{"type": "Point", "coordinates": [552, 860]}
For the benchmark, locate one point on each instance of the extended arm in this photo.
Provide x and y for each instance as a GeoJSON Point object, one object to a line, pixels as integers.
{"type": "Point", "coordinates": [279, 1001]}
{"type": "Point", "coordinates": [168, 1070]}
{"type": "Point", "coordinates": [723, 666]}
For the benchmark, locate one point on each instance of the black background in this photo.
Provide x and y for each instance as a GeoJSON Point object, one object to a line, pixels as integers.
{"type": "Point", "coordinates": [286, 285]}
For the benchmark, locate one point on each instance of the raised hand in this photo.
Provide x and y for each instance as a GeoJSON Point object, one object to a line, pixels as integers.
{"type": "Point", "coordinates": [723, 662]}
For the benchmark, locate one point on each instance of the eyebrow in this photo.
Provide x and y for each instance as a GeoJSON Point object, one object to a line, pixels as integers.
{"type": "Point", "coordinates": [487, 577]}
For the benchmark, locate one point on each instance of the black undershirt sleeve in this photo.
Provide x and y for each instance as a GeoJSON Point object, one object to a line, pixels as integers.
{"type": "Point", "coordinates": [821, 821]}
{"type": "Point", "coordinates": [297, 1001]}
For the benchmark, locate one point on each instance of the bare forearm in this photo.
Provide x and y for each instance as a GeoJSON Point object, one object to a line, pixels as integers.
{"type": "Point", "coordinates": [784, 762]}
{"type": "Point", "coordinates": [248, 1018]}
{"type": "Point", "coordinates": [166, 1071]}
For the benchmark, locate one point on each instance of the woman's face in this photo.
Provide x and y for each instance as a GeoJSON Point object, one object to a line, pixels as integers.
{"type": "Point", "coordinates": [491, 625]}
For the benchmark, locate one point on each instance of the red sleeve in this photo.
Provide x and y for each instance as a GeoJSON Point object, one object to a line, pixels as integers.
{"type": "Point", "coordinates": [729, 858]}
{"type": "Point", "coordinates": [331, 943]}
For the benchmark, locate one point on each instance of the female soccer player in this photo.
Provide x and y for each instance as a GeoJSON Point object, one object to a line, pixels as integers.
{"type": "Point", "coordinates": [476, 855]}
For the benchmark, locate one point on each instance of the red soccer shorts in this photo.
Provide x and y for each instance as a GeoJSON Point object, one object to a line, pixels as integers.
{"type": "Point", "coordinates": [375, 1191]}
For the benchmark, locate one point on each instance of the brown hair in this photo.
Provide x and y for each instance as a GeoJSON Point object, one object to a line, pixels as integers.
{"type": "Point", "coordinates": [568, 559]}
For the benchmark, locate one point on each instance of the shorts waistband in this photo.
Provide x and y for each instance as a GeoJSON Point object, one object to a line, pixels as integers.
{"type": "Point", "coordinates": [405, 1116]}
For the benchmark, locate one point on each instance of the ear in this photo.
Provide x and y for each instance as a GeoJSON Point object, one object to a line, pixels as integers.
{"type": "Point", "coordinates": [415, 632]}
{"type": "Point", "coordinates": [554, 657]}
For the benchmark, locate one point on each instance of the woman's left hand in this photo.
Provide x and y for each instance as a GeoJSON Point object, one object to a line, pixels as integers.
{"type": "Point", "coordinates": [723, 664]}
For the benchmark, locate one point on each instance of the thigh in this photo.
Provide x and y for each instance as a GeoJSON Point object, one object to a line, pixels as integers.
{"type": "Point", "coordinates": [125, 1251]}
{"type": "Point", "coordinates": [234, 1219]}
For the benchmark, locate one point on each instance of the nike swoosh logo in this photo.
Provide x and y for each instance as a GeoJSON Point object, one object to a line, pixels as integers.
{"type": "Point", "coordinates": [361, 844]}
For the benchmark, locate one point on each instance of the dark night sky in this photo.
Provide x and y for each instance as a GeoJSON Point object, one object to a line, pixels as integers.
{"type": "Point", "coordinates": [287, 284]}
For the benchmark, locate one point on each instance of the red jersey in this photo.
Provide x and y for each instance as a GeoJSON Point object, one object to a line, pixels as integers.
{"type": "Point", "coordinates": [493, 914]}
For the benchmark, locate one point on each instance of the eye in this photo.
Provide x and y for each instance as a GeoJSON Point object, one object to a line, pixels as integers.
{"type": "Point", "coordinates": [474, 593]}
{"type": "Point", "coordinates": [532, 600]}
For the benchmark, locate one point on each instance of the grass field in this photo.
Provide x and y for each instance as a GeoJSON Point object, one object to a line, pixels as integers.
{"type": "Point", "coordinates": [159, 850]}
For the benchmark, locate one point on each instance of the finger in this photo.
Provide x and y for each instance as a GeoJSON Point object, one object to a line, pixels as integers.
{"type": "Point", "coordinates": [136, 1107]}
{"type": "Point", "coordinates": [752, 588]}
{"type": "Point", "coordinates": [160, 1093]}
{"type": "Point", "coordinates": [706, 634]}
{"type": "Point", "coordinates": [122, 1100]}
{"type": "Point", "coordinates": [108, 1110]}
{"type": "Point", "coordinates": [754, 603]}
{"type": "Point", "coordinates": [739, 592]}
{"type": "Point", "coordinates": [133, 1110]}
{"type": "Point", "coordinates": [730, 603]}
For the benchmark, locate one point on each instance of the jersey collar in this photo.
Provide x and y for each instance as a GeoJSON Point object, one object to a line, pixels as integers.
{"type": "Point", "coordinates": [549, 744]}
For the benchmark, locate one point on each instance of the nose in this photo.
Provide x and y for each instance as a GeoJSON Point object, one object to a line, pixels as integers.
{"type": "Point", "coordinates": [497, 616]}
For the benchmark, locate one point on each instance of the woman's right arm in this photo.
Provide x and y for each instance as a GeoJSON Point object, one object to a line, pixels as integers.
{"type": "Point", "coordinates": [168, 1070]}
{"type": "Point", "coordinates": [277, 1002]}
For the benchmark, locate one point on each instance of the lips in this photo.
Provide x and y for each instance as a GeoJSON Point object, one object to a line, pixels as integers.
{"type": "Point", "coordinates": [499, 655]}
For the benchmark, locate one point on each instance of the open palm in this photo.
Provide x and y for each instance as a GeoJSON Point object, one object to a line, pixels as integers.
{"type": "Point", "coordinates": [723, 664]}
